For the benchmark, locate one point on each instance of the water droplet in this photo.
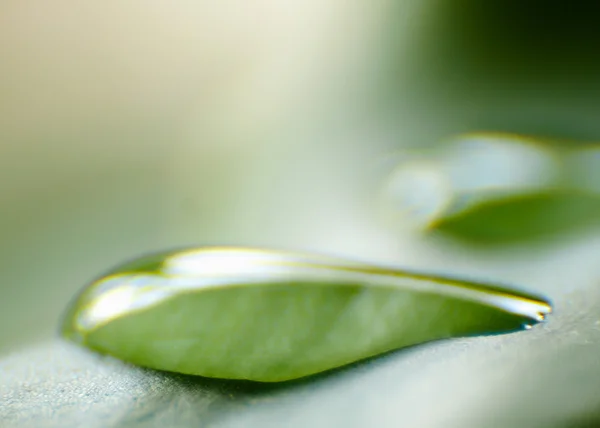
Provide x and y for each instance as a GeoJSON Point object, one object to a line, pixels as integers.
{"type": "Point", "coordinates": [271, 316]}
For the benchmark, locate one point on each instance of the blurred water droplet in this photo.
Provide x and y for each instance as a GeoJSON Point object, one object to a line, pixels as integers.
{"type": "Point", "coordinates": [492, 188]}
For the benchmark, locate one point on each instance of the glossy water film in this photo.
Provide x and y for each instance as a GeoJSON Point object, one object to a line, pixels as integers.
{"type": "Point", "coordinates": [271, 316]}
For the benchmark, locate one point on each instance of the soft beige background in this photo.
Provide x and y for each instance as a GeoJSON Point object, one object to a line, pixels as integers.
{"type": "Point", "coordinates": [131, 126]}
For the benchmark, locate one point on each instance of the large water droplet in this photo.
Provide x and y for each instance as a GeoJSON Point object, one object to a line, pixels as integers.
{"type": "Point", "coordinates": [273, 316]}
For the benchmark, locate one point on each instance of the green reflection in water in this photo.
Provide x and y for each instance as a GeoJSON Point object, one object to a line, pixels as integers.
{"type": "Point", "coordinates": [271, 316]}
{"type": "Point", "coordinates": [497, 188]}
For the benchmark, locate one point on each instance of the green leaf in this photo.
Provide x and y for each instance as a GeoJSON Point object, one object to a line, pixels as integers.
{"type": "Point", "coordinates": [269, 316]}
{"type": "Point", "coordinates": [497, 189]}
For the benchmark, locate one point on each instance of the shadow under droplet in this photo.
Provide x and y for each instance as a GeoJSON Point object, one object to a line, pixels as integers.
{"type": "Point", "coordinates": [250, 387]}
{"type": "Point", "coordinates": [187, 400]}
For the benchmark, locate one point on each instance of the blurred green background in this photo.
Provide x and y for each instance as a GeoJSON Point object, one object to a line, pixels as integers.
{"type": "Point", "coordinates": [128, 127]}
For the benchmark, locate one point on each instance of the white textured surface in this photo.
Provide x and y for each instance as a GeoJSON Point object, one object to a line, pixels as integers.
{"type": "Point", "coordinates": [542, 377]}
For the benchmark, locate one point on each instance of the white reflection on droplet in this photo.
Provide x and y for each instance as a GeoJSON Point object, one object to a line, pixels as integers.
{"type": "Point", "coordinates": [494, 162]}
{"type": "Point", "coordinates": [221, 262]}
{"type": "Point", "coordinates": [529, 307]}
{"type": "Point", "coordinates": [110, 304]}
{"type": "Point", "coordinates": [134, 292]}
{"type": "Point", "coordinates": [418, 191]}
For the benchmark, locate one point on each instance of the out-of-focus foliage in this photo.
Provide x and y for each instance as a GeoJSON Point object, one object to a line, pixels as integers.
{"type": "Point", "coordinates": [526, 67]}
{"type": "Point", "coordinates": [491, 189]}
